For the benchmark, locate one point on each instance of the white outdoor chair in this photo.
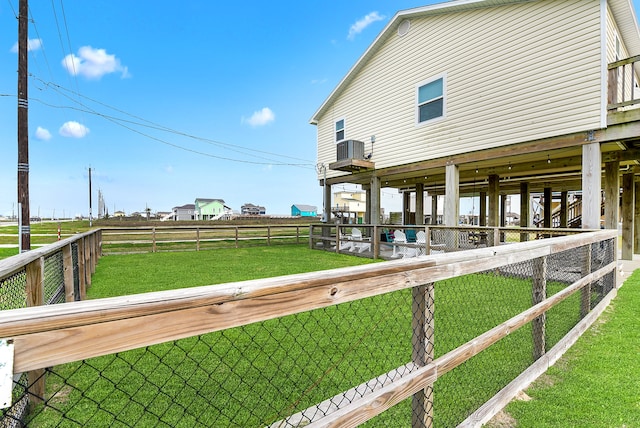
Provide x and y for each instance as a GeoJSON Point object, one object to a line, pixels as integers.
{"type": "Point", "coordinates": [421, 243]}
{"type": "Point", "coordinates": [359, 243]}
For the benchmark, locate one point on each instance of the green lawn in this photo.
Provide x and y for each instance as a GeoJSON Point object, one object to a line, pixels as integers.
{"type": "Point", "coordinates": [253, 375]}
{"type": "Point", "coordinates": [597, 382]}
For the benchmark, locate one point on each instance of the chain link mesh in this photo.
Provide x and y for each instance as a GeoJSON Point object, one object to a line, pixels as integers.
{"type": "Point", "coordinates": [289, 371]}
{"type": "Point", "coordinates": [13, 294]}
{"type": "Point", "coordinates": [53, 279]}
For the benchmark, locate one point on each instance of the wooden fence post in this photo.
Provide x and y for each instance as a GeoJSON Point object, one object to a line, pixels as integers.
{"type": "Point", "coordinates": [94, 252]}
{"type": "Point", "coordinates": [297, 234]}
{"type": "Point", "coordinates": [153, 238]}
{"type": "Point", "coordinates": [376, 242]}
{"type": "Point", "coordinates": [197, 239]}
{"type": "Point", "coordinates": [35, 297]}
{"type": "Point", "coordinates": [585, 294]}
{"type": "Point", "coordinates": [539, 293]}
{"type": "Point", "coordinates": [422, 323]}
{"type": "Point", "coordinates": [87, 260]}
{"type": "Point", "coordinates": [268, 235]}
{"type": "Point", "coordinates": [81, 268]}
{"type": "Point", "coordinates": [311, 232]}
{"type": "Point", "coordinates": [236, 236]}
{"type": "Point", "coordinates": [67, 269]}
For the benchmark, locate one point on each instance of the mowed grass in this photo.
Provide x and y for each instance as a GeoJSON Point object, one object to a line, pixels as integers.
{"type": "Point", "coordinates": [218, 379]}
{"type": "Point", "coordinates": [140, 273]}
{"type": "Point", "coordinates": [597, 382]}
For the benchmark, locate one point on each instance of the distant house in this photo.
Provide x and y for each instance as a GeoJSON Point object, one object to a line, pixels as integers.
{"type": "Point", "coordinates": [210, 209]}
{"type": "Point", "coordinates": [250, 209]}
{"type": "Point", "coordinates": [119, 214]}
{"type": "Point", "coordinates": [304, 210]}
{"type": "Point", "coordinates": [185, 212]}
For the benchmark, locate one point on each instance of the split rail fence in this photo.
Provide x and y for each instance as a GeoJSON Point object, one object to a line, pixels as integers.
{"type": "Point", "coordinates": [434, 341]}
{"type": "Point", "coordinates": [196, 238]}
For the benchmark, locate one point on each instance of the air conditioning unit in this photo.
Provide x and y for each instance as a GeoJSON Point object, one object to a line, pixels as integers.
{"type": "Point", "coordinates": [350, 149]}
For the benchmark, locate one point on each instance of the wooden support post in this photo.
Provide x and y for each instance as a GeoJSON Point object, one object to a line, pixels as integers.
{"type": "Point", "coordinates": [67, 269]}
{"type": "Point", "coordinates": [585, 294]}
{"type": "Point", "coordinates": [591, 185]}
{"type": "Point", "coordinates": [452, 195]}
{"type": "Point", "coordinates": [564, 206]}
{"type": "Point", "coordinates": [153, 239]}
{"type": "Point", "coordinates": [81, 268]}
{"type": "Point", "coordinates": [87, 261]}
{"type": "Point", "coordinates": [419, 203]}
{"type": "Point", "coordinates": [434, 209]}
{"type": "Point", "coordinates": [375, 242]}
{"type": "Point", "coordinates": [374, 218]}
{"type": "Point", "coordinates": [406, 208]}
{"type": "Point", "coordinates": [525, 209]}
{"type": "Point", "coordinates": [483, 209]}
{"type": "Point", "coordinates": [494, 200]}
{"type": "Point", "coordinates": [268, 235]}
{"type": "Point", "coordinates": [236, 236]}
{"type": "Point", "coordinates": [628, 206]}
{"type": "Point", "coordinates": [539, 293]}
{"type": "Point", "coordinates": [422, 308]}
{"type": "Point", "coordinates": [197, 239]}
{"type": "Point", "coordinates": [35, 297]}
{"type": "Point", "coordinates": [611, 195]}
{"type": "Point", "coordinates": [636, 214]}
{"type": "Point", "coordinates": [548, 207]}
{"type": "Point", "coordinates": [297, 234]}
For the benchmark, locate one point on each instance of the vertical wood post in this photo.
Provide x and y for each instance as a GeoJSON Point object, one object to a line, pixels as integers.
{"type": "Point", "coordinates": [611, 194]}
{"type": "Point", "coordinates": [87, 260]}
{"type": "Point", "coordinates": [452, 195]}
{"type": "Point", "coordinates": [483, 209]}
{"type": "Point", "coordinates": [419, 204]}
{"type": "Point", "coordinates": [375, 242]}
{"type": "Point", "coordinates": [538, 294]}
{"type": "Point", "coordinates": [236, 236]}
{"type": "Point", "coordinates": [268, 235]}
{"type": "Point", "coordinates": [591, 185]}
{"type": "Point", "coordinates": [153, 239]}
{"type": "Point", "coordinates": [67, 269]}
{"type": "Point", "coordinates": [525, 209]}
{"type": "Point", "coordinates": [94, 252]}
{"type": "Point", "coordinates": [585, 294]}
{"type": "Point", "coordinates": [628, 206]}
{"type": "Point", "coordinates": [297, 234]}
{"type": "Point", "coordinates": [197, 239]}
{"type": "Point", "coordinates": [564, 205]}
{"type": "Point", "coordinates": [422, 323]}
{"type": "Point", "coordinates": [311, 236]}
{"type": "Point", "coordinates": [81, 268]}
{"type": "Point", "coordinates": [35, 297]}
{"type": "Point", "coordinates": [636, 214]}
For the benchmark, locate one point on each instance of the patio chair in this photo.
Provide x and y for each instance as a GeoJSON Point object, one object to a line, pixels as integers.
{"type": "Point", "coordinates": [359, 243]}
{"type": "Point", "coordinates": [438, 241]}
{"type": "Point", "coordinates": [421, 242]}
{"type": "Point", "coordinates": [398, 238]}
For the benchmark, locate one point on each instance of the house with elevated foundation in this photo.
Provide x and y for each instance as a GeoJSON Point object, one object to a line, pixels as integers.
{"type": "Point", "coordinates": [491, 98]}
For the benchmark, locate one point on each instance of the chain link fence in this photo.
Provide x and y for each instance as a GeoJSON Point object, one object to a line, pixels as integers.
{"type": "Point", "coordinates": [329, 348]}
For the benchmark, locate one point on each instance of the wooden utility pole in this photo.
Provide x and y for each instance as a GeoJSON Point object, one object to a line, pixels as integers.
{"type": "Point", "coordinates": [23, 128]}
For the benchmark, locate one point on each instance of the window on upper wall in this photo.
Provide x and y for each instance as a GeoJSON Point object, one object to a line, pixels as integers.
{"type": "Point", "coordinates": [340, 130]}
{"type": "Point", "coordinates": [430, 96]}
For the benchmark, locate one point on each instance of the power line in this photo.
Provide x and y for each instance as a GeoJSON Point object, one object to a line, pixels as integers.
{"type": "Point", "coordinates": [123, 123]}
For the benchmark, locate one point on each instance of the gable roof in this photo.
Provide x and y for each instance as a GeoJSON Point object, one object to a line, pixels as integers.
{"type": "Point", "coordinates": [302, 207]}
{"type": "Point", "coordinates": [622, 10]}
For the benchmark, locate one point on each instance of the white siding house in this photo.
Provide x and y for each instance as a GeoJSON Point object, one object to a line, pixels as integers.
{"type": "Point", "coordinates": [459, 92]}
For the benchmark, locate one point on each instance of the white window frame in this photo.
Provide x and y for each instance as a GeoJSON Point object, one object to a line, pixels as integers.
{"type": "Point", "coordinates": [442, 76]}
{"type": "Point", "coordinates": [344, 129]}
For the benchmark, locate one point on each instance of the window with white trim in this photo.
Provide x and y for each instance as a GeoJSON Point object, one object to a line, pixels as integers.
{"type": "Point", "coordinates": [340, 130]}
{"type": "Point", "coordinates": [430, 97]}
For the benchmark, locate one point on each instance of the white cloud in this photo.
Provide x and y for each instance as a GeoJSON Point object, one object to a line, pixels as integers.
{"type": "Point", "coordinates": [43, 134]}
{"type": "Point", "coordinates": [318, 81]}
{"type": "Point", "coordinates": [73, 130]}
{"type": "Point", "coordinates": [32, 45]}
{"type": "Point", "coordinates": [261, 117]}
{"type": "Point", "coordinates": [363, 23]}
{"type": "Point", "coordinates": [93, 63]}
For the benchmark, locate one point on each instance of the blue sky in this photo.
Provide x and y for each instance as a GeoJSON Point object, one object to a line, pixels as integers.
{"type": "Point", "coordinates": [170, 101]}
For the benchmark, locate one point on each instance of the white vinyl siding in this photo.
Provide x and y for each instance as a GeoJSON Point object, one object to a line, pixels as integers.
{"type": "Point", "coordinates": [513, 73]}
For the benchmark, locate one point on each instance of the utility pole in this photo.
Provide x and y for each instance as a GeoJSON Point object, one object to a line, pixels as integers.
{"type": "Point", "coordinates": [23, 128]}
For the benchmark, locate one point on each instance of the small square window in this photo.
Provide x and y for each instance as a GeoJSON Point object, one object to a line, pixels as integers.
{"type": "Point", "coordinates": [430, 98]}
{"type": "Point", "coordinates": [340, 130]}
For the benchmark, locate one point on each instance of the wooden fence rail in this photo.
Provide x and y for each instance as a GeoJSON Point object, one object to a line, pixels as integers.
{"type": "Point", "coordinates": [46, 336]}
{"type": "Point", "coordinates": [185, 238]}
